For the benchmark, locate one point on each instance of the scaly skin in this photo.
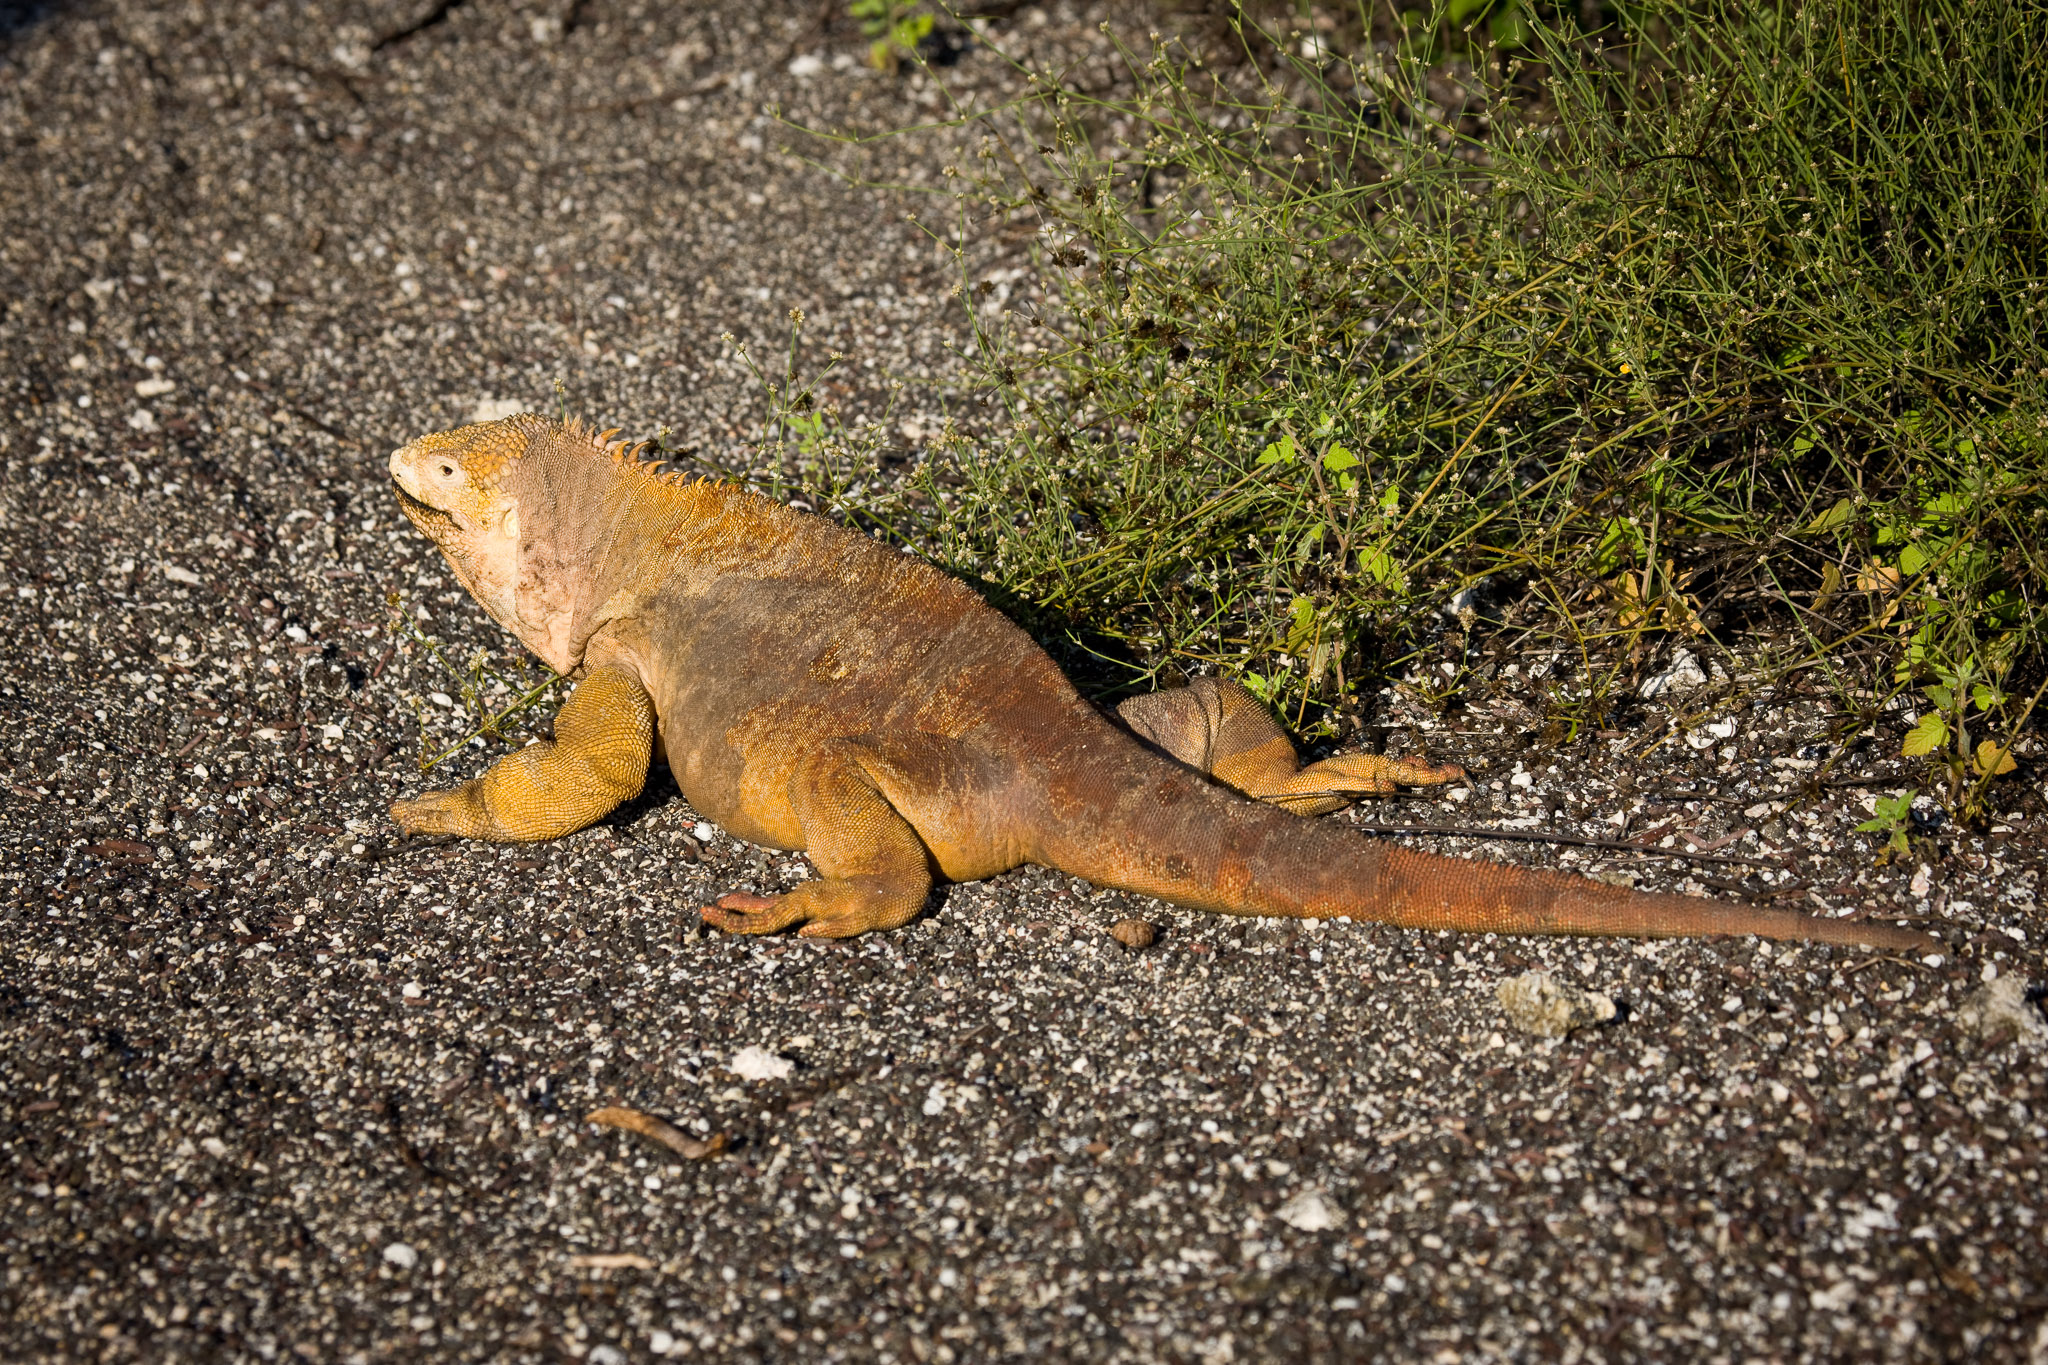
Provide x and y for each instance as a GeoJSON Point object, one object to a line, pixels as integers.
{"type": "Point", "coordinates": [812, 690]}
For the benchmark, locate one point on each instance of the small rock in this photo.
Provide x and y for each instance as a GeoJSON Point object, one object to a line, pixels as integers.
{"type": "Point", "coordinates": [1134, 933]}
{"type": "Point", "coordinates": [1538, 1003]}
{"type": "Point", "coordinates": [1311, 1211]}
{"type": "Point", "coordinates": [1998, 1010]}
{"type": "Point", "coordinates": [352, 48]}
{"type": "Point", "coordinates": [401, 1255]}
{"type": "Point", "coordinates": [759, 1064]}
{"type": "Point", "coordinates": [1684, 675]}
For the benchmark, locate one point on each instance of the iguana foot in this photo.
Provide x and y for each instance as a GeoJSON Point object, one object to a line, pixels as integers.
{"type": "Point", "coordinates": [1217, 727]}
{"type": "Point", "coordinates": [604, 735]}
{"type": "Point", "coordinates": [874, 871]}
{"type": "Point", "coordinates": [830, 908]}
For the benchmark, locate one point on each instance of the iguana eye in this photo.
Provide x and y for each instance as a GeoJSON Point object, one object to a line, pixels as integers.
{"type": "Point", "coordinates": [447, 471]}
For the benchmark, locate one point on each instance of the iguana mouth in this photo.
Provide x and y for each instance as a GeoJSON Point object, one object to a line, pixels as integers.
{"type": "Point", "coordinates": [420, 512]}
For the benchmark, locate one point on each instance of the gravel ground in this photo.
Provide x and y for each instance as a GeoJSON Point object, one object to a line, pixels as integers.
{"type": "Point", "coordinates": [271, 1086]}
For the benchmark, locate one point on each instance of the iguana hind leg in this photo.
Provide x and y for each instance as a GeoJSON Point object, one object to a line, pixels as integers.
{"type": "Point", "coordinates": [604, 737]}
{"type": "Point", "coordinates": [1215, 726]}
{"type": "Point", "coordinates": [874, 872]}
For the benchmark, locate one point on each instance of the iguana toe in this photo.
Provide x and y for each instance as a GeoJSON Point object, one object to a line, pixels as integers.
{"type": "Point", "coordinates": [433, 813]}
{"type": "Point", "coordinates": [1418, 772]}
{"type": "Point", "coordinates": [742, 912]}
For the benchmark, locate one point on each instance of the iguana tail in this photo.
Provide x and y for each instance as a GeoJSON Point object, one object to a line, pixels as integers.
{"type": "Point", "coordinates": [1160, 829]}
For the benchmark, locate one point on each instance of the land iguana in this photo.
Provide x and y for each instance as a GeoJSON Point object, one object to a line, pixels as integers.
{"type": "Point", "coordinates": [812, 689]}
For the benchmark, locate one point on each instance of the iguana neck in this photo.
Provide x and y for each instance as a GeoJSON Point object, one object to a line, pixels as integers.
{"type": "Point", "coordinates": [597, 528]}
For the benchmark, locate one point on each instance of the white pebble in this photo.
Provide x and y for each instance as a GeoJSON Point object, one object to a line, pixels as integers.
{"type": "Point", "coordinates": [1310, 1211]}
{"type": "Point", "coordinates": [1999, 1009]}
{"type": "Point", "coordinates": [759, 1064]}
{"type": "Point", "coordinates": [1538, 1003]}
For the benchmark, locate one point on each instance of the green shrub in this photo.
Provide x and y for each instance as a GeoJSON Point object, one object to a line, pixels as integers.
{"type": "Point", "coordinates": [1725, 321]}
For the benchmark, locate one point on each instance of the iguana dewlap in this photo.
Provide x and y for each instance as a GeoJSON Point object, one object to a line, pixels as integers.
{"type": "Point", "coordinates": [812, 689]}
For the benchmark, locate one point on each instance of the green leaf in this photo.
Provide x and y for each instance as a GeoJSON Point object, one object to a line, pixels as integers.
{"type": "Point", "coordinates": [1347, 482]}
{"type": "Point", "coordinates": [1923, 739]}
{"type": "Point", "coordinates": [1461, 10]}
{"type": "Point", "coordinates": [1282, 449]}
{"type": "Point", "coordinates": [1841, 515]}
{"type": "Point", "coordinates": [1941, 695]}
{"type": "Point", "coordinates": [1377, 562]}
{"type": "Point", "coordinates": [1891, 814]}
{"type": "Point", "coordinates": [1618, 540]}
{"type": "Point", "coordinates": [1913, 559]}
{"type": "Point", "coordinates": [1301, 626]}
{"type": "Point", "coordinates": [1508, 28]}
{"type": "Point", "coordinates": [1390, 501]}
{"type": "Point", "coordinates": [1337, 457]}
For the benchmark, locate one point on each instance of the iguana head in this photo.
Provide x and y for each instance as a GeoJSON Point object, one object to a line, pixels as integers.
{"type": "Point", "coordinates": [467, 489]}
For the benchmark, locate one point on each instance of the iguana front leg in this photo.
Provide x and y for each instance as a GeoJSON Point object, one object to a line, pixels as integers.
{"type": "Point", "coordinates": [604, 736]}
{"type": "Point", "coordinates": [1215, 726]}
{"type": "Point", "coordinates": [874, 870]}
